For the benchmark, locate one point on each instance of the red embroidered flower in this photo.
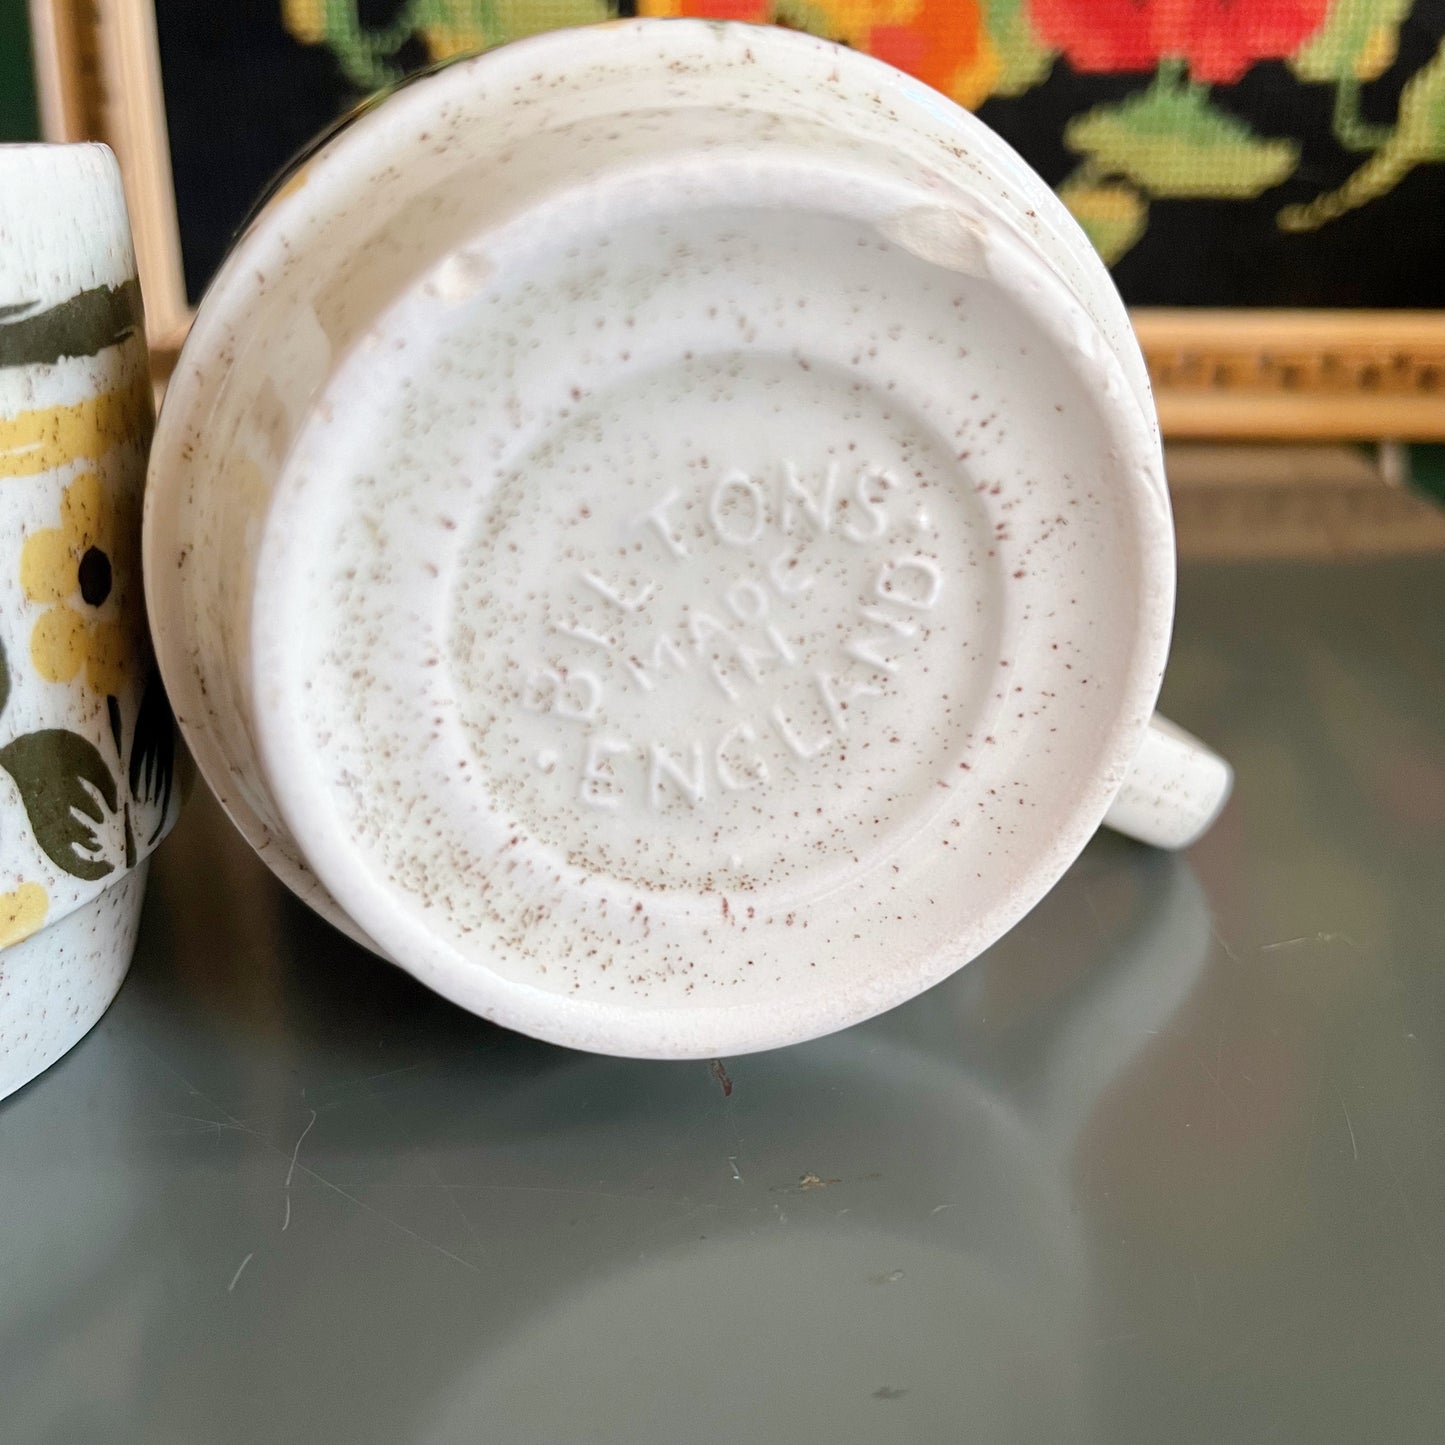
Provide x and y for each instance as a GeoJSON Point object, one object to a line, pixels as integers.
{"type": "Point", "coordinates": [1219, 39]}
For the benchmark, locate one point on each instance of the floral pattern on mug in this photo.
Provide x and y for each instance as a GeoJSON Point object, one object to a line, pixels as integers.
{"type": "Point", "coordinates": [22, 912]}
{"type": "Point", "coordinates": [91, 759]}
{"type": "Point", "coordinates": [72, 568]}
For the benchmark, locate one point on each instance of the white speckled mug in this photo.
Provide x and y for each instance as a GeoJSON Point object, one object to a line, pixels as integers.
{"type": "Point", "coordinates": [660, 530]}
{"type": "Point", "coordinates": [87, 746]}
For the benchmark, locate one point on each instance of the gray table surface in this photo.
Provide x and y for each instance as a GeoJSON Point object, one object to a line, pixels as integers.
{"type": "Point", "coordinates": [1167, 1164]}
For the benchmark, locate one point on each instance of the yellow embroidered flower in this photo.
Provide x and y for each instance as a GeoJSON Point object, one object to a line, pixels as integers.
{"type": "Point", "coordinates": [22, 912]}
{"type": "Point", "coordinates": [1378, 52]}
{"type": "Point", "coordinates": [305, 19]}
{"type": "Point", "coordinates": [1113, 215]}
{"type": "Point", "coordinates": [72, 567]}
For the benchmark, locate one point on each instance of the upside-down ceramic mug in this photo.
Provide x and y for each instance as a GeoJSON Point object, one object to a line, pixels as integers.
{"type": "Point", "coordinates": [660, 530]}
{"type": "Point", "coordinates": [87, 745]}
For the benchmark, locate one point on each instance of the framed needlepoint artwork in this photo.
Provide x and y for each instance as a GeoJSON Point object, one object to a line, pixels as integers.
{"type": "Point", "coordinates": [1265, 178]}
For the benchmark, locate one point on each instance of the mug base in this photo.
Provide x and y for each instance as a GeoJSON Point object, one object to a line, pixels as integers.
{"type": "Point", "coordinates": [56, 984]}
{"type": "Point", "coordinates": [716, 595]}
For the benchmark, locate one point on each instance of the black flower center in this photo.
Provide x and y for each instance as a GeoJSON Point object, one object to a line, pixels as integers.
{"type": "Point", "coordinates": [95, 576]}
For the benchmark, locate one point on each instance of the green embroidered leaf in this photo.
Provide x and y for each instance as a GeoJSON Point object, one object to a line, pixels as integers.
{"type": "Point", "coordinates": [1172, 142]}
{"type": "Point", "coordinates": [368, 53]}
{"type": "Point", "coordinates": [153, 752]}
{"type": "Point", "coordinates": [1358, 39]}
{"type": "Point", "coordinates": [516, 18]}
{"type": "Point", "coordinates": [1420, 133]}
{"type": "Point", "coordinates": [1113, 215]}
{"type": "Point", "coordinates": [1418, 138]}
{"type": "Point", "coordinates": [4, 679]}
{"type": "Point", "coordinates": [1024, 62]}
{"type": "Point", "coordinates": [808, 16]}
{"type": "Point", "coordinates": [63, 781]}
{"type": "Point", "coordinates": [364, 53]}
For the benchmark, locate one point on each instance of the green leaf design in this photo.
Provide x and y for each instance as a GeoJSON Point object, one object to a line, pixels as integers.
{"type": "Point", "coordinates": [81, 325]}
{"type": "Point", "coordinates": [1358, 40]}
{"type": "Point", "coordinates": [62, 781]}
{"type": "Point", "coordinates": [515, 18]}
{"type": "Point", "coordinates": [1025, 63]}
{"type": "Point", "coordinates": [1418, 138]}
{"type": "Point", "coordinates": [1420, 130]}
{"type": "Point", "coordinates": [4, 678]}
{"type": "Point", "coordinates": [815, 19]}
{"type": "Point", "coordinates": [367, 53]}
{"type": "Point", "coordinates": [364, 54]}
{"type": "Point", "coordinates": [1172, 142]}
{"type": "Point", "coordinates": [153, 752]}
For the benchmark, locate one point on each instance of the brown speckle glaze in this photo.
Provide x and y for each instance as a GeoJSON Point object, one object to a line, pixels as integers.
{"type": "Point", "coordinates": [647, 531]}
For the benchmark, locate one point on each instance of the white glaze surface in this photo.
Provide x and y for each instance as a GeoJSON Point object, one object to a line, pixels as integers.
{"type": "Point", "coordinates": [590, 581]}
{"type": "Point", "coordinates": [56, 984]}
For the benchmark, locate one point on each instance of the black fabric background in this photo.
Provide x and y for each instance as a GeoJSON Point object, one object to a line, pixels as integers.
{"type": "Point", "coordinates": [243, 98]}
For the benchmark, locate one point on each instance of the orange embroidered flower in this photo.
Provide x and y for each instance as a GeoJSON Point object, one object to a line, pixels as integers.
{"type": "Point", "coordinates": [72, 568]}
{"type": "Point", "coordinates": [942, 42]}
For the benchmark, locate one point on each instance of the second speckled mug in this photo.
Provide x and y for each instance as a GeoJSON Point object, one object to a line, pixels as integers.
{"type": "Point", "coordinates": [87, 745]}
{"type": "Point", "coordinates": [660, 530]}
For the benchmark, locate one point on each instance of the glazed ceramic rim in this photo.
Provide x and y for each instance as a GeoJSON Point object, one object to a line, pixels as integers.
{"type": "Point", "coordinates": [332, 176]}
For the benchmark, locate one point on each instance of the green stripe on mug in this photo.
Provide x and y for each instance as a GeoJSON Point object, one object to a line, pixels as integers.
{"type": "Point", "coordinates": [83, 325]}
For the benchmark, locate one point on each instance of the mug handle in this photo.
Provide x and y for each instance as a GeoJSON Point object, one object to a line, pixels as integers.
{"type": "Point", "coordinates": [1174, 789]}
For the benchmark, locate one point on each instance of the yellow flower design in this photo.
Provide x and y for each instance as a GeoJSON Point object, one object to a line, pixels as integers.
{"type": "Point", "coordinates": [72, 568]}
{"type": "Point", "coordinates": [305, 19]}
{"type": "Point", "coordinates": [22, 912]}
{"type": "Point", "coordinates": [52, 436]}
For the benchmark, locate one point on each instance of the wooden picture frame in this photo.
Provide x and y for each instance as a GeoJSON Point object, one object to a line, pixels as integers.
{"type": "Point", "coordinates": [1218, 374]}
{"type": "Point", "coordinates": [98, 77]}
